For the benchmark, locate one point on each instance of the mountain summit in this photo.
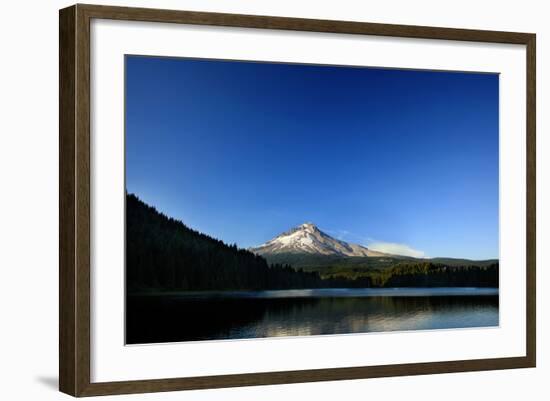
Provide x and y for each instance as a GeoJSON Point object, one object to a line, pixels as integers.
{"type": "Point", "coordinates": [307, 238]}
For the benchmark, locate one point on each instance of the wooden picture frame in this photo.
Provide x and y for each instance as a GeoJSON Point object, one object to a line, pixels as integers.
{"type": "Point", "coordinates": [74, 200]}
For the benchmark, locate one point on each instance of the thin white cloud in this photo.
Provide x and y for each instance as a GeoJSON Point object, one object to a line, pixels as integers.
{"type": "Point", "coordinates": [376, 245]}
{"type": "Point", "coordinates": [342, 235]}
{"type": "Point", "coordinates": [396, 249]}
{"type": "Point", "coordinates": [345, 235]}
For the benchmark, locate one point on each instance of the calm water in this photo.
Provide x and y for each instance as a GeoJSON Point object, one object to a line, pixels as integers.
{"type": "Point", "coordinates": [252, 314]}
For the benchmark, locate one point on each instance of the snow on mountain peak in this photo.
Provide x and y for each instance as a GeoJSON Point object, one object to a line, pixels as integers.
{"type": "Point", "coordinates": [308, 238]}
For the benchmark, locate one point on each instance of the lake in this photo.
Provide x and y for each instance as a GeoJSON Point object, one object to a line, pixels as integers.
{"type": "Point", "coordinates": [194, 316]}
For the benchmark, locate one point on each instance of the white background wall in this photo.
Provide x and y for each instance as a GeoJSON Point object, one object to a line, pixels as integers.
{"type": "Point", "coordinates": [29, 187]}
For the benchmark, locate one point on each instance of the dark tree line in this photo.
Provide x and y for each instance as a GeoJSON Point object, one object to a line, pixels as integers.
{"type": "Point", "coordinates": [428, 274]}
{"type": "Point", "coordinates": [162, 253]}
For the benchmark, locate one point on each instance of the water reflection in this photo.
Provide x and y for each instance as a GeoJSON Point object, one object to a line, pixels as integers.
{"type": "Point", "coordinates": [186, 317]}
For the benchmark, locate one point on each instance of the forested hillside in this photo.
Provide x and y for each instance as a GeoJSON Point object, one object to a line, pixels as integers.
{"type": "Point", "coordinates": [163, 254]}
{"type": "Point", "coordinates": [423, 274]}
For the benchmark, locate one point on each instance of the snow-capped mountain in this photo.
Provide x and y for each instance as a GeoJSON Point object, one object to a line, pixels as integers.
{"type": "Point", "coordinates": [307, 238]}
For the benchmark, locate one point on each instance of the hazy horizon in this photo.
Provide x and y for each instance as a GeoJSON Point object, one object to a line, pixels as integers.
{"type": "Point", "coordinates": [389, 159]}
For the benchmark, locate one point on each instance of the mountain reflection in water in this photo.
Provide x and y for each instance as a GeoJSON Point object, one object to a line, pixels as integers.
{"type": "Point", "coordinates": [196, 316]}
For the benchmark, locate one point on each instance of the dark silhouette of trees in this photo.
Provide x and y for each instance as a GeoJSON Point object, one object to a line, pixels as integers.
{"type": "Point", "coordinates": [429, 274]}
{"type": "Point", "coordinates": [164, 254]}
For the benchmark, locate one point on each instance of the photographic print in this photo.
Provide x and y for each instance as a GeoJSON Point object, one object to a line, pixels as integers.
{"type": "Point", "coordinates": [276, 199]}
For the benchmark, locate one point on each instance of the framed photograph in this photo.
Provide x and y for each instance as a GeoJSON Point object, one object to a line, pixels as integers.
{"type": "Point", "coordinates": [250, 200]}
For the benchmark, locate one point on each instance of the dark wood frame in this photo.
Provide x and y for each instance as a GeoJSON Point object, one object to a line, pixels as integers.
{"type": "Point", "coordinates": [74, 199]}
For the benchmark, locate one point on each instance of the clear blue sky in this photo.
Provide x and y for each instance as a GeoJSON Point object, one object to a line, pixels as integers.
{"type": "Point", "coordinates": [243, 151]}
